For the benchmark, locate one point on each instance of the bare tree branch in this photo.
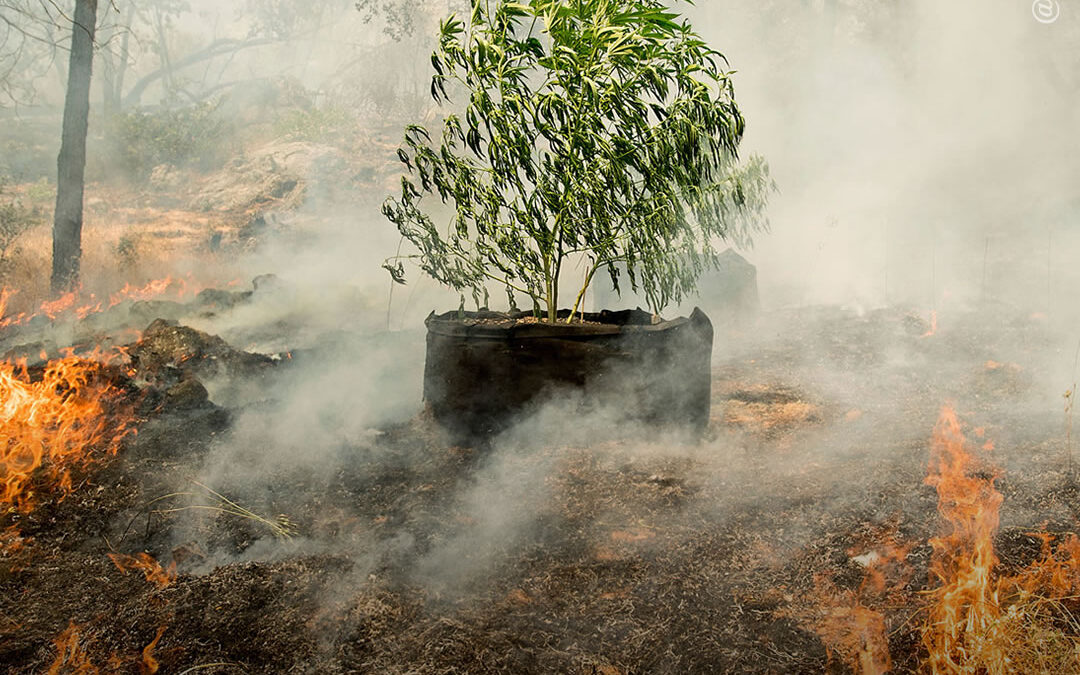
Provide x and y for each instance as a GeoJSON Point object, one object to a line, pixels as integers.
{"type": "Point", "coordinates": [213, 50]}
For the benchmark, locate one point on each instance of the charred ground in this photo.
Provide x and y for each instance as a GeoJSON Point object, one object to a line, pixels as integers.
{"type": "Point", "coordinates": [568, 552]}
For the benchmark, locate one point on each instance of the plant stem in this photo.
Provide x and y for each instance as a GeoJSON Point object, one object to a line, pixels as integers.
{"type": "Point", "coordinates": [393, 282]}
{"type": "Point", "coordinates": [581, 293]}
{"type": "Point", "coordinates": [553, 306]}
{"type": "Point", "coordinates": [549, 287]}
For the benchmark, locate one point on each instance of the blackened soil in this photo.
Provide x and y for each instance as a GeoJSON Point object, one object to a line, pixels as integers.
{"type": "Point", "coordinates": [549, 554]}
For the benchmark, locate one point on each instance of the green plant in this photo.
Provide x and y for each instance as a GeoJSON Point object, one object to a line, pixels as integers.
{"type": "Point", "coordinates": [316, 124]}
{"type": "Point", "coordinates": [190, 136]}
{"type": "Point", "coordinates": [41, 192]}
{"type": "Point", "coordinates": [599, 129]}
{"type": "Point", "coordinates": [397, 16]}
{"type": "Point", "coordinates": [15, 219]}
{"type": "Point", "coordinates": [127, 251]}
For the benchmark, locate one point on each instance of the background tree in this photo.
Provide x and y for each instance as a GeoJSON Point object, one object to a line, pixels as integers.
{"type": "Point", "coordinates": [29, 40]}
{"type": "Point", "coordinates": [71, 163]}
{"type": "Point", "coordinates": [605, 129]}
{"type": "Point", "coordinates": [404, 18]}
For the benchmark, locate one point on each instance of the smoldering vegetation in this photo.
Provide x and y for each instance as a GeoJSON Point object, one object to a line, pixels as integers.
{"type": "Point", "coordinates": [343, 531]}
{"type": "Point", "coordinates": [320, 522]}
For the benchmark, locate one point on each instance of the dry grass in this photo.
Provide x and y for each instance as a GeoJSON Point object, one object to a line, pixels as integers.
{"type": "Point", "coordinates": [123, 243]}
{"type": "Point", "coordinates": [1032, 634]}
{"type": "Point", "coordinates": [764, 417]}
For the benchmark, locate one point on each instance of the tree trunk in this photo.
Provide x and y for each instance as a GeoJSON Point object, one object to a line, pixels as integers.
{"type": "Point", "coordinates": [114, 67]}
{"type": "Point", "coordinates": [109, 99]}
{"type": "Point", "coordinates": [71, 164]}
{"type": "Point", "coordinates": [122, 66]}
{"type": "Point", "coordinates": [163, 49]}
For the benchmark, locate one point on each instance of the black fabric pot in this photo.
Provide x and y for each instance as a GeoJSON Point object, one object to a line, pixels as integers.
{"type": "Point", "coordinates": [485, 369]}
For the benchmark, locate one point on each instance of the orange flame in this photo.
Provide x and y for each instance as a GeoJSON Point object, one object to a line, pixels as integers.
{"type": "Point", "coordinates": [844, 619]}
{"type": "Point", "coordinates": [60, 422]}
{"type": "Point", "coordinates": [179, 287]}
{"type": "Point", "coordinates": [972, 625]}
{"type": "Point", "coordinates": [53, 308]}
{"type": "Point", "coordinates": [82, 306]}
{"type": "Point", "coordinates": [964, 613]}
{"type": "Point", "coordinates": [145, 563]}
{"type": "Point", "coordinates": [933, 325]}
{"type": "Point", "coordinates": [850, 628]}
{"type": "Point", "coordinates": [979, 622]}
{"type": "Point", "coordinates": [71, 657]}
{"type": "Point", "coordinates": [149, 665]}
{"type": "Point", "coordinates": [88, 309]}
{"type": "Point", "coordinates": [12, 543]}
{"type": "Point", "coordinates": [5, 296]}
{"type": "Point", "coordinates": [1057, 570]}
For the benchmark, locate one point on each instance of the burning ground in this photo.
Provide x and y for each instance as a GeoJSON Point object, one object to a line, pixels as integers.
{"type": "Point", "coordinates": [199, 508]}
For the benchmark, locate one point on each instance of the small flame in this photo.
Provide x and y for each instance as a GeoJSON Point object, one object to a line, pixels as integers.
{"type": "Point", "coordinates": [149, 665]}
{"type": "Point", "coordinates": [12, 542]}
{"type": "Point", "coordinates": [845, 620]}
{"type": "Point", "coordinates": [145, 563]}
{"type": "Point", "coordinates": [71, 657]}
{"type": "Point", "coordinates": [1056, 573]}
{"type": "Point", "coordinates": [88, 309]}
{"type": "Point", "coordinates": [933, 325]}
{"type": "Point", "coordinates": [83, 305]}
{"type": "Point", "coordinates": [176, 287]}
{"type": "Point", "coordinates": [850, 628]}
{"type": "Point", "coordinates": [53, 308]}
{"type": "Point", "coordinates": [5, 296]}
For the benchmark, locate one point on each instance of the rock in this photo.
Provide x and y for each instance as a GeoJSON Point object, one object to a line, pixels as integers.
{"type": "Point", "coordinates": [166, 177]}
{"type": "Point", "coordinates": [915, 325]}
{"type": "Point", "coordinates": [169, 353]}
{"type": "Point", "coordinates": [266, 283]}
{"type": "Point", "coordinates": [213, 298]}
{"type": "Point", "coordinates": [728, 292]}
{"type": "Point", "coordinates": [144, 311]}
{"type": "Point", "coordinates": [187, 394]}
{"type": "Point", "coordinates": [731, 289]}
{"type": "Point", "coordinates": [275, 174]}
{"type": "Point", "coordinates": [35, 353]}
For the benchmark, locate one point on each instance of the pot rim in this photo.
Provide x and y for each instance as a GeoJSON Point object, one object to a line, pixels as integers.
{"type": "Point", "coordinates": [448, 324]}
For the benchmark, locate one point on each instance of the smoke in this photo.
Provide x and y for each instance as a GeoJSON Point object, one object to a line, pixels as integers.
{"type": "Point", "coordinates": [910, 141]}
{"type": "Point", "coordinates": [923, 158]}
{"type": "Point", "coordinates": [926, 160]}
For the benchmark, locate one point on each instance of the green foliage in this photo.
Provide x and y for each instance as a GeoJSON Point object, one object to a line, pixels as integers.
{"type": "Point", "coordinates": [396, 16]}
{"type": "Point", "coordinates": [15, 219]}
{"type": "Point", "coordinates": [316, 124]}
{"type": "Point", "coordinates": [190, 136]}
{"type": "Point", "coordinates": [399, 17]}
{"type": "Point", "coordinates": [41, 192]}
{"type": "Point", "coordinates": [598, 128]}
{"type": "Point", "coordinates": [286, 19]}
{"type": "Point", "coordinates": [127, 251]}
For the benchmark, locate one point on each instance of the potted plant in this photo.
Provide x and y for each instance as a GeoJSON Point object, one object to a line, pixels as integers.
{"type": "Point", "coordinates": [595, 135]}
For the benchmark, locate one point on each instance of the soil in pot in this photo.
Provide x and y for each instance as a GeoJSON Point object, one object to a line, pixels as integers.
{"type": "Point", "coordinates": [485, 370]}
